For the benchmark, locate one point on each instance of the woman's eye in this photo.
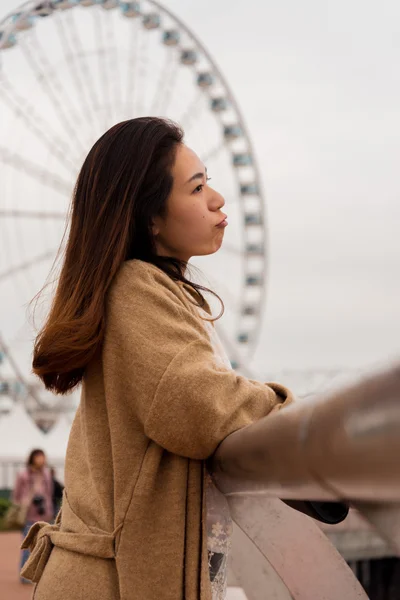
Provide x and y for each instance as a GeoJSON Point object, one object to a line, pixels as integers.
{"type": "Point", "coordinates": [200, 187]}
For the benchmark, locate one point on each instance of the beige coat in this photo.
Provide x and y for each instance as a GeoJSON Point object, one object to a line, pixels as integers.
{"type": "Point", "coordinates": [155, 404]}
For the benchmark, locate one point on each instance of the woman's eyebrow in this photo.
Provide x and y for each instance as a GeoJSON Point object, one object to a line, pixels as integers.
{"type": "Point", "coordinates": [198, 176]}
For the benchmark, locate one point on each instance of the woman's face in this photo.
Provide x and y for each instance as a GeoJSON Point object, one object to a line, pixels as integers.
{"type": "Point", "coordinates": [191, 226]}
{"type": "Point", "coordinates": [39, 460]}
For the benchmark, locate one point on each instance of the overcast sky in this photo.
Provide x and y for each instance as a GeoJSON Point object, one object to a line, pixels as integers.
{"type": "Point", "coordinates": [319, 87]}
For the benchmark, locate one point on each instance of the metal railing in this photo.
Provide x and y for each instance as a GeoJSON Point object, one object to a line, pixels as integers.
{"type": "Point", "coordinates": [344, 446]}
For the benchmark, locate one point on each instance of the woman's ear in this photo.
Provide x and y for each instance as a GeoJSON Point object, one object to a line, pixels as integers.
{"type": "Point", "coordinates": [155, 226]}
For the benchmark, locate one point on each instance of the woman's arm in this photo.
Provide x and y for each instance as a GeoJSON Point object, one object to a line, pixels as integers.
{"type": "Point", "coordinates": [187, 403]}
{"type": "Point", "coordinates": [196, 404]}
{"type": "Point", "coordinates": [18, 491]}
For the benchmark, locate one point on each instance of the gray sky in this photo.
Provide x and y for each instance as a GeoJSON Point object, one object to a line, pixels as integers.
{"type": "Point", "coordinates": [319, 87]}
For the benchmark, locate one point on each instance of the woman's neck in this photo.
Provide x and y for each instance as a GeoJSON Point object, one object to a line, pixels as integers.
{"type": "Point", "coordinates": [35, 469]}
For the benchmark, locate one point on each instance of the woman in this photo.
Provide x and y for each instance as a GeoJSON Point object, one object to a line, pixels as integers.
{"type": "Point", "coordinates": [34, 490]}
{"type": "Point", "coordinates": [140, 517]}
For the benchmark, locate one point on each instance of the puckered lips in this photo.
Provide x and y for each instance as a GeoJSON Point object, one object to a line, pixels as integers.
{"type": "Point", "coordinates": [223, 222]}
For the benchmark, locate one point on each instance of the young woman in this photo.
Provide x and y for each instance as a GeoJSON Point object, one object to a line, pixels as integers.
{"type": "Point", "coordinates": [34, 490]}
{"type": "Point", "coordinates": [140, 517]}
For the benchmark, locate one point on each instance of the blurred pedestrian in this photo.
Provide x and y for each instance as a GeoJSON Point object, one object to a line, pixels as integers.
{"type": "Point", "coordinates": [34, 490]}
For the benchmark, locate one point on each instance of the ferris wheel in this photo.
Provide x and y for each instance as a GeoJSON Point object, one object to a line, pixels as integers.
{"type": "Point", "coordinates": [70, 69]}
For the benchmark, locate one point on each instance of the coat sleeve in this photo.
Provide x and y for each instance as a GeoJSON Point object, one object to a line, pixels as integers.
{"type": "Point", "coordinates": [185, 400]}
{"type": "Point", "coordinates": [197, 405]}
{"type": "Point", "coordinates": [18, 490]}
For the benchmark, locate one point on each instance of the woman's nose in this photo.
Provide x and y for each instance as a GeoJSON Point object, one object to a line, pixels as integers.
{"type": "Point", "coordinates": [218, 200]}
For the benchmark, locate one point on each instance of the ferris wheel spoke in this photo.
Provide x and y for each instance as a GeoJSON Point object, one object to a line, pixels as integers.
{"type": "Point", "coordinates": [169, 89]}
{"type": "Point", "coordinates": [75, 124]}
{"type": "Point", "coordinates": [194, 122]}
{"type": "Point", "coordinates": [162, 84]}
{"type": "Point", "coordinates": [29, 263]}
{"type": "Point", "coordinates": [188, 117]}
{"type": "Point", "coordinates": [18, 336]}
{"type": "Point", "coordinates": [141, 73]}
{"type": "Point", "coordinates": [35, 123]}
{"type": "Point", "coordinates": [74, 69]}
{"type": "Point", "coordinates": [132, 68]}
{"type": "Point", "coordinates": [213, 153]}
{"type": "Point", "coordinates": [40, 75]}
{"type": "Point", "coordinates": [163, 74]}
{"type": "Point", "coordinates": [103, 70]}
{"type": "Point", "coordinates": [35, 171]}
{"type": "Point", "coordinates": [82, 63]}
{"type": "Point", "coordinates": [115, 81]}
{"type": "Point", "coordinates": [29, 214]}
{"type": "Point", "coordinates": [29, 388]}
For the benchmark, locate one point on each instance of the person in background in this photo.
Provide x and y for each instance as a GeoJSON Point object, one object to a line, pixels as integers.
{"type": "Point", "coordinates": [58, 489]}
{"type": "Point", "coordinates": [34, 489]}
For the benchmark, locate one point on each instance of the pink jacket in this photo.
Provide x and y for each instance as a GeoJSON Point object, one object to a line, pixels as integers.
{"type": "Point", "coordinates": [32, 483]}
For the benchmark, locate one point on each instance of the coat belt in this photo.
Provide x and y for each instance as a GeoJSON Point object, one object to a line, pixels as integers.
{"type": "Point", "coordinates": [42, 537]}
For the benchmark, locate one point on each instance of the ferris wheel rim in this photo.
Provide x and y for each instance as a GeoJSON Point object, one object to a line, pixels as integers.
{"type": "Point", "coordinates": [26, 9]}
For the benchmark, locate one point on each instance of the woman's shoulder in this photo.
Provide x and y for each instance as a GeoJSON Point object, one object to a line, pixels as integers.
{"type": "Point", "coordinates": [140, 288]}
{"type": "Point", "coordinates": [144, 295]}
{"type": "Point", "coordinates": [23, 474]}
{"type": "Point", "coordinates": [139, 267]}
{"type": "Point", "coordinates": [137, 275]}
{"type": "Point", "coordinates": [138, 282]}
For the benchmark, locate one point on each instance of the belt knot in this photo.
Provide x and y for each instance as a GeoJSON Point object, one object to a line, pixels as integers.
{"type": "Point", "coordinates": [38, 541]}
{"type": "Point", "coordinates": [42, 537]}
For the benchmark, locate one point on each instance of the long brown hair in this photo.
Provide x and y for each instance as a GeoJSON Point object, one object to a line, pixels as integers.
{"type": "Point", "coordinates": [32, 455]}
{"type": "Point", "coordinates": [124, 183]}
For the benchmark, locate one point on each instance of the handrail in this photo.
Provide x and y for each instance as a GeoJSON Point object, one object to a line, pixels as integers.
{"type": "Point", "coordinates": [340, 446]}
{"type": "Point", "coordinates": [343, 446]}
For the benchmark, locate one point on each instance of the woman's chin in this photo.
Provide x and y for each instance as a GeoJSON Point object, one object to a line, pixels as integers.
{"type": "Point", "coordinates": [210, 249]}
{"type": "Point", "coordinates": [216, 247]}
